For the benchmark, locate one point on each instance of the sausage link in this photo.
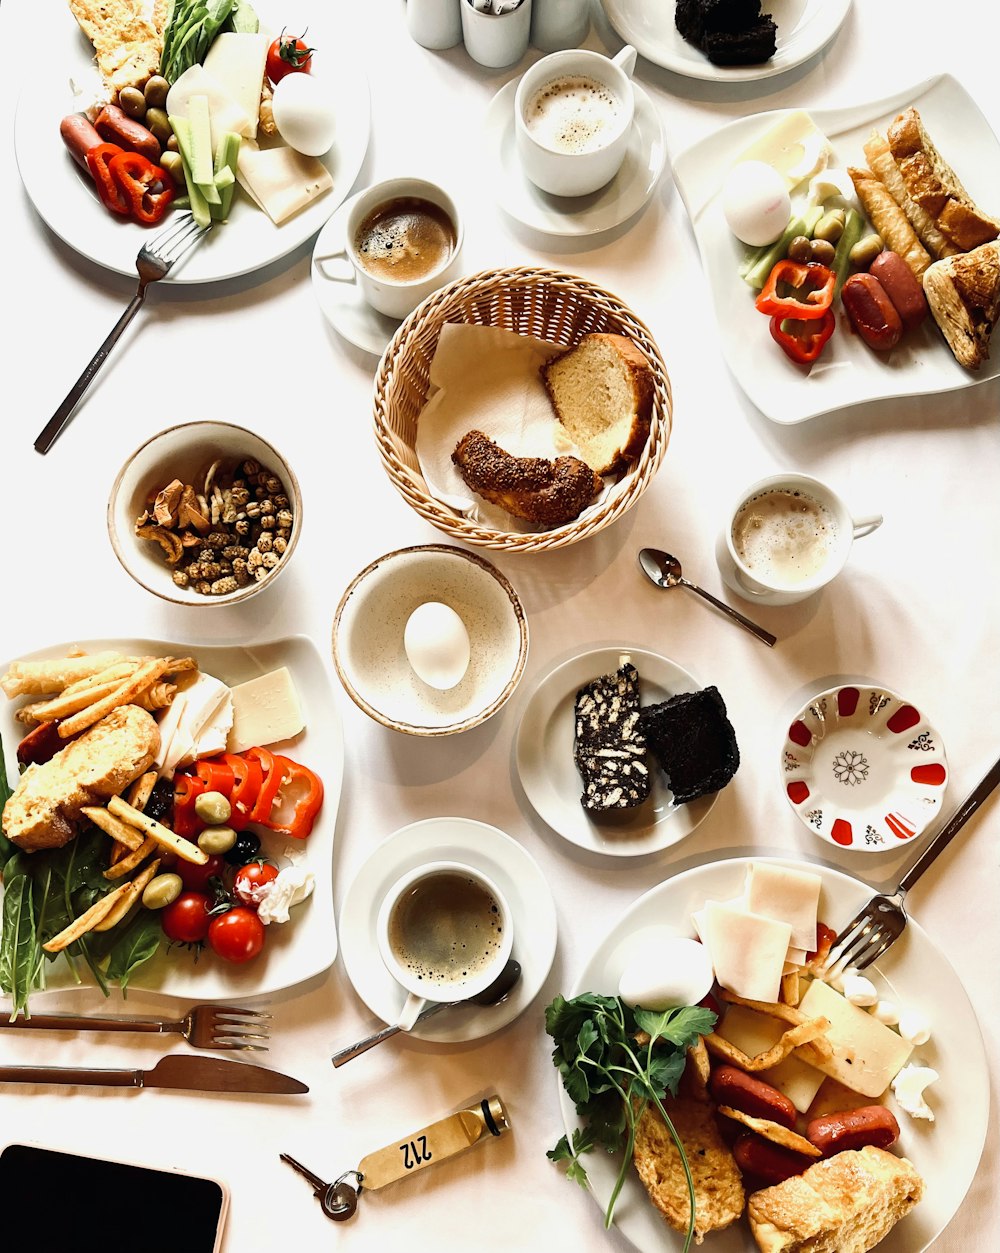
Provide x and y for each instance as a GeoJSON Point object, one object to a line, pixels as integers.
{"type": "Point", "coordinates": [116, 127]}
{"type": "Point", "coordinates": [766, 1161]}
{"type": "Point", "coordinates": [853, 1129]}
{"type": "Point", "coordinates": [872, 313]}
{"type": "Point", "coordinates": [731, 1086]}
{"type": "Point", "coordinates": [901, 287]}
{"type": "Point", "coordinates": [79, 136]}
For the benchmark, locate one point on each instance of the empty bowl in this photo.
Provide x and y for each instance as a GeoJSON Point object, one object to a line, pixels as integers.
{"type": "Point", "coordinates": [372, 660]}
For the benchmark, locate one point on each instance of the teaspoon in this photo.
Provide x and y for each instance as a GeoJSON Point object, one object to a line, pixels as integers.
{"type": "Point", "coordinates": [498, 989]}
{"type": "Point", "coordinates": [665, 571]}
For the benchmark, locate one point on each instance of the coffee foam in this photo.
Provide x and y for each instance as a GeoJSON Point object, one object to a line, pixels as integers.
{"type": "Point", "coordinates": [785, 537]}
{"type": "Point", "coordinates": [404, 239]}
{"type": "Point", "coordinates": [574, 114]}
{"type": "Point", "coordinates": [447, 929]}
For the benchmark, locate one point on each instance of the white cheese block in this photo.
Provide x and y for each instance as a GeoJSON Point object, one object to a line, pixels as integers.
{"type": "Point", "coordinates": [867, 1056]}
{"type": "Point", "coordinates": [789, 895]}
{"type": "Point", "coordinates": [237, 62]}
{"type": "Point", "coordinates": [203, 700]}
{"type": "Point", "coordinates": [224, 113]}
{"type": "Point", "coordinates": [281, 181]}
{"type": "Point", "coordinates": [794, 146]}
{"type": "Point", "coordinates": [755, 1033]}
{"type": "Point", "coordinates": [168, 728]}
{"type": "Point", "coordinates": [214, 735]}
{"type": "Point", "coordinates": [265, 710]}
{"type": "Point", "coordinates": [748, 951]}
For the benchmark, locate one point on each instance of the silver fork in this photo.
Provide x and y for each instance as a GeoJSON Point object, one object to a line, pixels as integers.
{"type": "Point", "coordinates": [204, 1026]}
{"type": "Point", "coordinates": [156, 259]}
{"type": "Point", "coordinates": [881, 922]}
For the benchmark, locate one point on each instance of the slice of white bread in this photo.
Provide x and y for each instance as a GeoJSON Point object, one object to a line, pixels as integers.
{"type": "Point", "coordinates": [845, 1204]}
{"type": "Point", "coordinates": [602, 393]}
{"type": "Point", "coordinates": [964, 296]}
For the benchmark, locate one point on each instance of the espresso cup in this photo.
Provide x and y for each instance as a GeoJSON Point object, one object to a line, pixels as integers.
{"type": "Point", "coordinates": [573, 114]}
{"type": "Point", "coordinates": [444, 933]}
{"type": "Point", "coordinates": [402, 241]}
{"type": "Point", "coordinates": [786, 537]}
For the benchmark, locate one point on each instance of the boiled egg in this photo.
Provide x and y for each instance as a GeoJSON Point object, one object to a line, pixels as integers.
{"type": "Point", "coordinates": [665, 971]}
{"type": "Point", "coordinates": [436, 643]}
{"type": "Point", "coordinates": [303, 115]}
{"type": "Point", "coordinates": [756, 203]}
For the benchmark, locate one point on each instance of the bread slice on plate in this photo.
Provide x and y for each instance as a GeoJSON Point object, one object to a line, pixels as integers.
{"type": "Point", "coordinates": [964, 296]}
{"type": "Point", "coordinates": [602, 393]}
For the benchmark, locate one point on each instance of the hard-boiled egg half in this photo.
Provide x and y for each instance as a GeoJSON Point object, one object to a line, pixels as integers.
{"type": "Point", "coordinates": [303, 115]}
{"type": "Point", "coordinates": [666, 971]}
{"type": "Point", "coordinates": [436, 644]}
{"type": "Point", "coordinates": [756, 203]}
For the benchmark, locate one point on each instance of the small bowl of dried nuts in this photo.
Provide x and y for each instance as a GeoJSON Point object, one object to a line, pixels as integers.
{"type": "Point", "coordinates": [205, 514]}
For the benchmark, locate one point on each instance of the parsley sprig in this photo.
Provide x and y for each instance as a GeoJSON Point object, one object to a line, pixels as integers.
{"type": "Point", "coordinates": [611, 1078]}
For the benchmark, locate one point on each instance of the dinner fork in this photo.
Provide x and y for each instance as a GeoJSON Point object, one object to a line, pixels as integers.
{"type": "Point", "coordinates": [156, 259]}
{"type": "Point", "coordinates": [881, 922]}
{"type": "Point", "coordinates": [204, 1026]}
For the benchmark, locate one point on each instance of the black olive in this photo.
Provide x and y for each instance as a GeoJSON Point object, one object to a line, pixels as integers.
{"type": "Point", "coordinates": [246, 848]}
{"type": "Point", "coordinates": [161, 802]}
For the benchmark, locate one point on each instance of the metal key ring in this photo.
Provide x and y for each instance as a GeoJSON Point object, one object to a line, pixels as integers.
{"type": "Point", "coordinates": [341, 1198]}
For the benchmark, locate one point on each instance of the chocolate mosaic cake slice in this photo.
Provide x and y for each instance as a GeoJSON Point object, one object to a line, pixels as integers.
{"type": "Point", "coordinates": [609, 748]}
{"type": "Point", "coordinates": [693, 741]}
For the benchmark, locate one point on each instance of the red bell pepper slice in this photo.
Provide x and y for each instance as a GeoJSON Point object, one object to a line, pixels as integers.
{"type": "Point", "coordinates": [147, 190]}
{"type": "Point", "coordinates": [273, 773]}
{"type": "Point", "coordinates": [217, 775]}
{"type": "Point", "coordinates": [187, 789]}
{"type": "Point", "coordinates": [299, 800]}
{"type": "Point", "coordinates": [112, 194]}
{"type": "Point", "coordinates": [248, 777]}
{"type": "Point", "coordinates": [815, 282]}
{"type": "Point", "coordinates": [803, 341]}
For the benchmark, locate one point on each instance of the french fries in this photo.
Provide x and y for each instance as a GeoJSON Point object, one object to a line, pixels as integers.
{"type": "Point", "coordinates": [87, 921]}
{"type": "Point", "coordinates": [124, 694]}
{"type": "Point", "coordinates": [119, 831]}
{"type": "Point", "coordinates": [163, 836]}
{"type": "Point", "coordinates": [141, 790]}
{"type": "Point", "coordinates": [126, 864]}
{"type": "Point", "coordinates": [133, 890]}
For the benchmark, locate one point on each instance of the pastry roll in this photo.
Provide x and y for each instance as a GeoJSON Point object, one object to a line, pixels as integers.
{"type": "Point", "coordinates": [884, 167]}
{"type": "Point", "coordinates": [889, 220]}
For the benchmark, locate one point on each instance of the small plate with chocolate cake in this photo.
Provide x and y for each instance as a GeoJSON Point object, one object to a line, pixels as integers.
{"type": "Point", "coordinates": [621, 751]}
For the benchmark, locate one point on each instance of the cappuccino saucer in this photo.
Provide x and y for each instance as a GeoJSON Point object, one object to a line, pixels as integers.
{"type": "Point", "coordinates": [603, 210]}
{"type": "Point", "coordinates": [341, 301]}
{"type": "Point", "coordinates": [516, 874]}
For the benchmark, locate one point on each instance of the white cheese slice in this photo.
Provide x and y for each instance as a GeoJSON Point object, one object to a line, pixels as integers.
{"type": "Point", "coordinates": [265, 710]}
{"type": "Point", "coordinates": [789, 895]}
{"type": "Point", "coordinates": [867, 1056]}
{"type": "Point", "coordinates": [755, 1033]}
{"type": "Point", "coordinates": [748, 950]}
{"type": "Point", "coordinates": [794, 146]}
{"type": "Point", "coordinates": [224, 113]}
{"type": "Point", "coordinates": [237, 60]}
{"type": "Point", "coordinates": [214, 734]}
{"type": "Point", "coordinates": [202, 700]}
{"type": "Point", "coordinates": [168, 728]}
{"type": "Point", "coordinates": [280, 180]}
{"type": "Point", "coordinates": [796, 956]}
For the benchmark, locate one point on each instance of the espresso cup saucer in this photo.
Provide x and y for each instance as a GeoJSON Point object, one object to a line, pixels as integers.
{"type": "Point", "coordinates": [342, 303]}
{"type": "Point", "coordinates": [602, 210]}
{"type": "Point", "coordinates": [501, 859]}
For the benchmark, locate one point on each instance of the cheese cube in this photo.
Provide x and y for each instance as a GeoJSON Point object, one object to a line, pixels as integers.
{"type": "Point", "coordinates": [867, 1056]}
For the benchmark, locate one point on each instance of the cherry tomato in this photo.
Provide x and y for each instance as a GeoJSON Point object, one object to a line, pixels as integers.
{"type": "Point", "coordinates": [195, 878]}
{"type": "Point", "coordinates": [186, 920]}
{"type": "Point", "coordinates": [237, 935]}
{"type": "Point", "coordinates": [286, 55]}
{"type": "Point", "coordinates": [251, 877]}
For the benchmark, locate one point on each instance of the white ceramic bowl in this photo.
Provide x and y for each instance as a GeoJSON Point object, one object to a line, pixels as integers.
{"type": "Point", "coordinates": [184, 452]}
{"type": "Point", "coordinates": [368, 631]}
{"type": "Point", "coordinates": [864, 769]}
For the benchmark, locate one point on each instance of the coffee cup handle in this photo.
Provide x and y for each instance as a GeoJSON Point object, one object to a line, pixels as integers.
{"type": "Point", "coordinates": [865, 526]}
{"type": "Point", "coordinates": [410, 1012]}
{"type": "Point", "coordinates": [330, 260]}
{"type": "Point", "coordinates": [625, 60]}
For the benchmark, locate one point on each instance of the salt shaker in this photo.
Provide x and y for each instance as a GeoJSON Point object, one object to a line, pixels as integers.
{"type": "Point", "coordinates": [557, 24]}
{"type": "Point", "coordinates": [435, 24]}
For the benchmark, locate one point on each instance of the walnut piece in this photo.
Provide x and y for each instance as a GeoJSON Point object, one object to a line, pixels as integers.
{"type": "Point", "coordinates": [166, 504]}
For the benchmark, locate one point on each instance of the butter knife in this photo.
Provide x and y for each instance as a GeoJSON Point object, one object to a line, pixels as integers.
{"type": "Point", "coordinates": [178, 1070]}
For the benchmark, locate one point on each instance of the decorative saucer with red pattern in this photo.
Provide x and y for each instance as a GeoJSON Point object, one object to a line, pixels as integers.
{"type": "Point", "coordinates": [864, 769]}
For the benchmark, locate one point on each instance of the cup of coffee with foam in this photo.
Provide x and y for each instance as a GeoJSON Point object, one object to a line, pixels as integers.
{"type": "Point", "coordinates": [444, 933]}
{"type": "Point", "coordinates": [786, 538]}
{"type": "Point", "coordinates": [573, 114]}
{"type": "Point", "coordinates": [402, 239]}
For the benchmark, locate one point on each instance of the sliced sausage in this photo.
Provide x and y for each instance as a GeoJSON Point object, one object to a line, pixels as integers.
{"type": "Point", "coordinates": [853, 1129]}
{"type": "Point", "coordinates": [40, 744]}
{"type": "Point", "coordinates": [750, 1095]}
{"type": "Point", "coordinates": [116, 127]}
{"type": "Point", "coordinates": [766, 1161]}
{"type": "Point", "coordinates": [79, 136]}
{"type": "Point", "coordinates": [872, 313]}
{"type": "Point", "coordinates": [901, 287]}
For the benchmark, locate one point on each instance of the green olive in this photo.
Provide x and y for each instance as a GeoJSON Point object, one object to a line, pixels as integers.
{"type": "Point", "coordinates": [172, 144]}
{"type": "Point", "coordinates": [800, 249]}
{"type": "Point", "coordinates": [215, 840]}
{"type": "Point", "coordinates": [155, 91]}
{"type": "Point", "coordinates": [829, 227]}
{"type": "Point", "coordinates": [158, 122]}
{"type": "Point", "coordinates": [213, 808]}
{"type": "Point", "coordinates": [162, 891]}
{"type": "Point", "coordinates": [823, 251]}
{"type": "Point", "coordinates": [133, 102]}
{"type": "Point", "coordinates": [174, 165]}
{"type": "Point", "coordinates": [865, 251]}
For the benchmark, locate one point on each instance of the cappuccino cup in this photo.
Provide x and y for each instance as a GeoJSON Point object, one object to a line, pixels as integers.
{"type": "Point", "coordinates": [402, 241]}
{"type": "Point", "coordinates": [573, 114]}
{"type": "Point", "coordinates": [444, 933]}
{"type": "Point", "coordinates": [787, 536]}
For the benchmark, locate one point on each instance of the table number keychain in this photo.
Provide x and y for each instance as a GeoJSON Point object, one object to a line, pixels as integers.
{"type": "Point", "coordinates": [436, 1143]}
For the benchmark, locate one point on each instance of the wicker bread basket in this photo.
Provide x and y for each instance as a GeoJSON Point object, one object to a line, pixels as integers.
{"type": "Point", "coordinates": [550, 304]}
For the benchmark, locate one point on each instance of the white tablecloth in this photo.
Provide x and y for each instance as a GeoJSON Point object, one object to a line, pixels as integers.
{"type": "Point", "coordinates": [918, 609]}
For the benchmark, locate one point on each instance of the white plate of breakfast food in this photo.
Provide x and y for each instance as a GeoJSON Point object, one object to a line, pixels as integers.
{"type": "Point", "coordinates": [922, 1019]}
{"type": "Point", "coordinates": [64, 195]}
{"type": "Point", "coordinates": [643, 816]}
{"type": "Point", "coordinates": [761, 43]}
{"type": "Point", "coordinates": [946, 130]}
{"type": "Point", "coordinates": [200, 703]}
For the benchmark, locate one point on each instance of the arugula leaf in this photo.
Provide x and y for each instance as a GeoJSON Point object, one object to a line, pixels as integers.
{"type": "Point", "coordinates": [137, 944]}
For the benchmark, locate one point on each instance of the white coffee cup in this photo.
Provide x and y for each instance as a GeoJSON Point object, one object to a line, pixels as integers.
{"type": "Point", "coordinates": [393, 297]}
{"type": "Point", "coordinates": [786, 537]}
{"type": "Point", "coordinates": [559, 170]}
{"type": "Point", "coordinates": [414, 945]}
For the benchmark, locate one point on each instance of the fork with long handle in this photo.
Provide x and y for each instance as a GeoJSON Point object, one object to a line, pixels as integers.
{"type": "Point", "coordinates": [156, 259]}
{"type": "Point", "coordinates": [881, 922]}
{"type": "Point", "coordinates": [204, 1026]}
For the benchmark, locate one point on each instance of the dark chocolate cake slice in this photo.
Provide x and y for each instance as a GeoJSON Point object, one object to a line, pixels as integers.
{"type": "Point", "coordinates": [694, 742]}
{"type": "Point", "coordinates": [756, 44]}
{"type": "Point", "coordinates": [609, 748]}
{"type": "Point", "coordinates": [729, 32]}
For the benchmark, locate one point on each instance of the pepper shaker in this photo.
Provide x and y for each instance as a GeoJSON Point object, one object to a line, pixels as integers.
{"type": "Point", "coordinates": [558, 24]}
{"type": "Point", "coordinates": [435, 24]}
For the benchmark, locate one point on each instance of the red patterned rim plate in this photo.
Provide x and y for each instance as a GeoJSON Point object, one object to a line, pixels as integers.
{"type": "Point", "coordinates": [863, 768]}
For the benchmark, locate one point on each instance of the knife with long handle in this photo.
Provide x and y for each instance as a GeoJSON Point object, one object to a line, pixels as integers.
{"type": "Point", "coordinates": [178, 1070]}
